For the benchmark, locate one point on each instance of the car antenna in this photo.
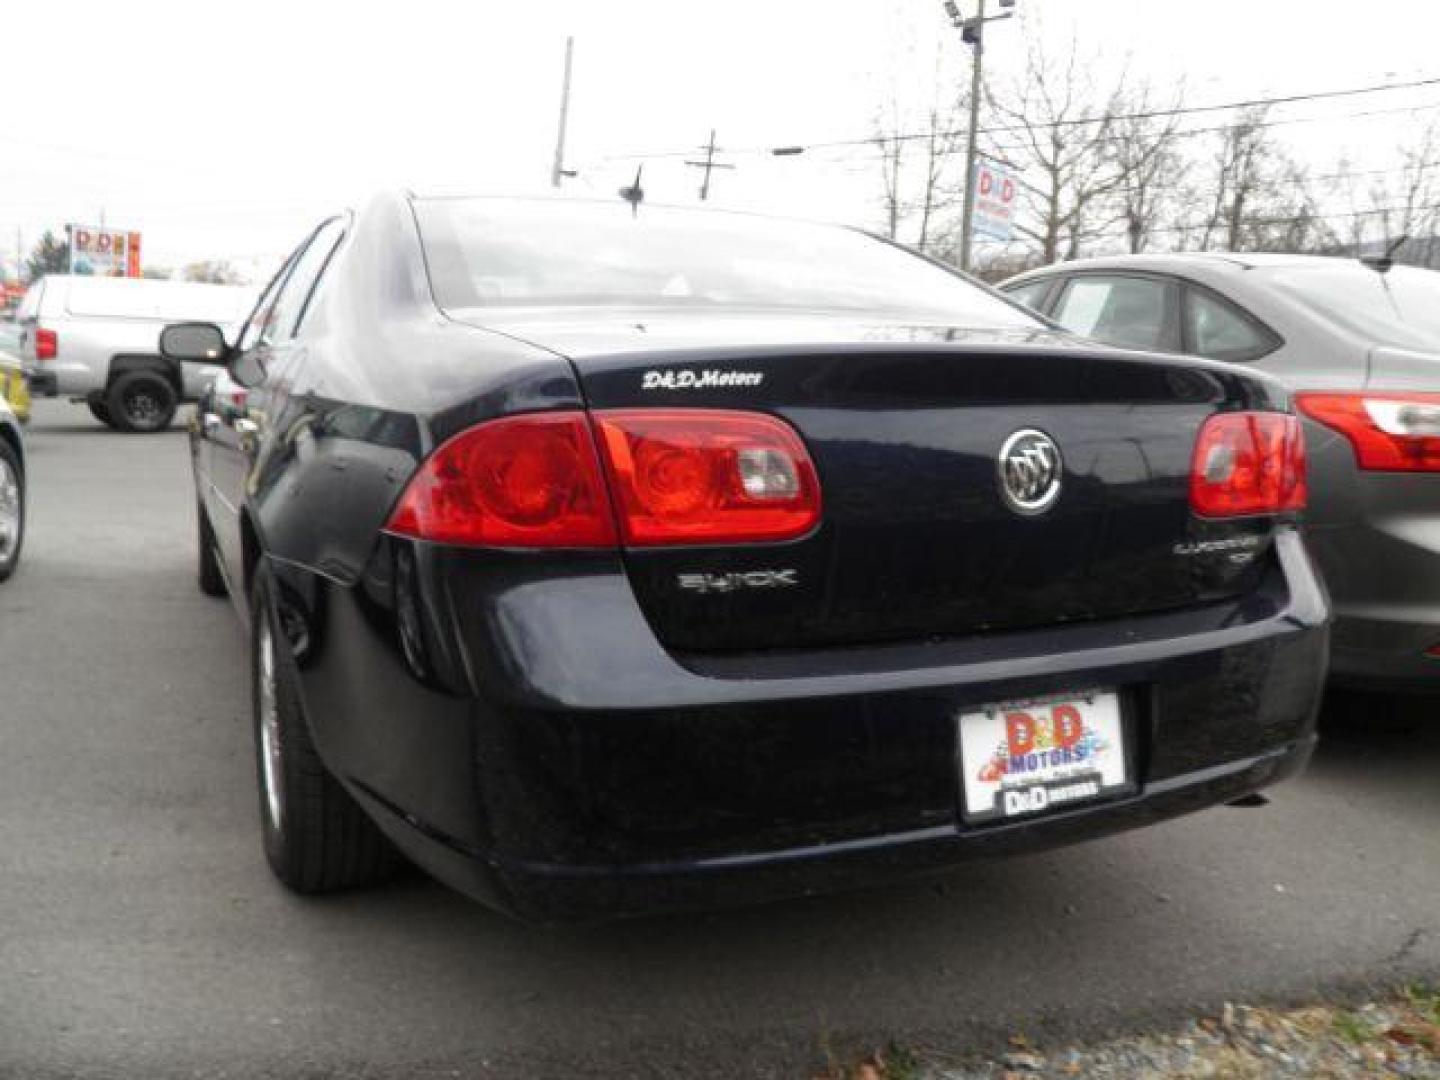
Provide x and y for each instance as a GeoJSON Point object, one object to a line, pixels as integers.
{"type": "Point", "coordinates": [635, 194]}
{"type": "Point", "coordinates": [1382, 263]}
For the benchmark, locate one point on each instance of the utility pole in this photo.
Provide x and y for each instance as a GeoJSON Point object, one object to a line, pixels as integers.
{"type": "Point", "coordinates": [558, 172]}
{"type": "Point", "coordinates": [972, 32]}
{"type": "Point", "coordinates": [709, 165]}
{"type": "Point", "coordinates": [967, 227]}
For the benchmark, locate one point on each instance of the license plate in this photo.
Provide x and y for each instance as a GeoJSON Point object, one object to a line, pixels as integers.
{"type": "Point", "coordinates": [1027, 757]}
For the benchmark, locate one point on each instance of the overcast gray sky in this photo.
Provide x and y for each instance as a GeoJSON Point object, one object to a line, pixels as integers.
{"type": "Point", "coordinates": [223, 129]}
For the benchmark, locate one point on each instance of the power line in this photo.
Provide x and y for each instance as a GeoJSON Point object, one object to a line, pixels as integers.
{"type": "Point", "coordinates": [1186, 133]}
{"type": "Point", "coordinates": [1317, 217]}
{"type": "Point", "coordinates": [1286, 99]}
{"type": "Point", "coordinates": [1283, 99]}
{"type": "Point", "coordinates": [998, 152]}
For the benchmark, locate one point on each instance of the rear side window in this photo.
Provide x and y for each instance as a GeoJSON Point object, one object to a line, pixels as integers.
{"type": "Point", "coordinates": [1030, 293]}
{"type": "Point", "coordinates": [264, 311]}
{"type": "Point", "coordinates": [285, 317]}
{"type": "Point", "coordinates": [1219, 330]}
{"type": "Point", "coordinates": [1131, 312]}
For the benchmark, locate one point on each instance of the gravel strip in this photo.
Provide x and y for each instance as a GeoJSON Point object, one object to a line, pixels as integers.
{"type": "Point", "coordinates": [1396, 1038]}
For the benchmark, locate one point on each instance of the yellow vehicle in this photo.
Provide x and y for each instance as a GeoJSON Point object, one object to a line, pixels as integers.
{"type": "Point", "coordinates": [13, 387]}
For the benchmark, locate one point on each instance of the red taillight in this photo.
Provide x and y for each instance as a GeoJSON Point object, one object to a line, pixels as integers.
{"type": "Point", "coordinates": [1248, 463]}
{"type": "Point", "coordinates": [678, 476]}
{"type": "Point", "coordinates": [522, 481]}
{"type": "Point", "coordinates": [47, 344]}
{"type": "Point", "coordinates": [704, 476]}
{"type": "Point", "coordinates": [1390, 432]}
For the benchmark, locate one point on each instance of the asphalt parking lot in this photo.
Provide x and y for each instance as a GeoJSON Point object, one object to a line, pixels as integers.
{"type": "Point", "coordinates": [140, 933]}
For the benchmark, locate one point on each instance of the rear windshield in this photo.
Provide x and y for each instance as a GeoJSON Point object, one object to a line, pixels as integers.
{"type": "Point", "coordinates": [507, 252]}
{"type": "Point", "coordinates": [124, 298]}
{"type": "Point", "coordinates": [1401, 307]}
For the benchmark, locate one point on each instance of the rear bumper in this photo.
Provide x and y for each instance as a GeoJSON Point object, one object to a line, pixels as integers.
{"type": "Point", "coordinates": [43, 384]}
{"type": "Point", "coordinates": [69, 378]}
{"type": "Point", "coordinates": [585, 772]}
{"type": "Point", "coordinates": [571, 892]}
{"type": "Point", "coordinates": [1377, 542]}
{"type": "Point", "coordinates": [1383, 648]}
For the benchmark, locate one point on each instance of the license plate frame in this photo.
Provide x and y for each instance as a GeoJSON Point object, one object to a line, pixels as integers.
{"type": "Point", "coordinates": [1059, 768]}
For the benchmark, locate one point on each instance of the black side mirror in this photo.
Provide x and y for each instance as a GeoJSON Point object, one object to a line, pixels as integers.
{"type": "Point", "coordinates": [196, 342]}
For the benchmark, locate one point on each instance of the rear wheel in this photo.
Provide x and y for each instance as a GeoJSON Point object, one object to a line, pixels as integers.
{"type": "Point", "coordinates": [141, 401]}
{"type": "Point", "coordinates": [317, 839]}
{"type": "Point", "coordinates": [212, 581]}
{"type": "Point", "coordinates": [12, 509]}
{"type": "Point", "coordinates": [100, 411]}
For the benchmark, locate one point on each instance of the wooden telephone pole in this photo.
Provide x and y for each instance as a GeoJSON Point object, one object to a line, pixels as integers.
{"type": "Point", "coordinates": [709, 165]}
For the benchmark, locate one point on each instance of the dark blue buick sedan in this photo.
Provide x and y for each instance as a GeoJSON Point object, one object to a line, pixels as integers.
{"type": "Point", "coordinates": [603, 559]}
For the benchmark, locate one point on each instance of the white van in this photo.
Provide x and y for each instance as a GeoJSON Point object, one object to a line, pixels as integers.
{"type": "Point", "coordinates": [94, 339]}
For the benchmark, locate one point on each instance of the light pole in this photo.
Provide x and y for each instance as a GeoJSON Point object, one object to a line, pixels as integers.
{"type": "Point", "coordinates": [972, 32]}
{"type": "Point", "coordinates": [558, 172]}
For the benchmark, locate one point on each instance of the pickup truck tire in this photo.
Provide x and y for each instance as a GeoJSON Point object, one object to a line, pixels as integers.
{"type": "Point", "coordinates": [12, 509]}
{"type": "Point", "coordinates": [100, 411]}
{"type": "Point", "coordinates": [212, 581]}
{"type": "Point", "coordinates": [141, 401]}
{"type": "Point", "coordinates": [317, 839]}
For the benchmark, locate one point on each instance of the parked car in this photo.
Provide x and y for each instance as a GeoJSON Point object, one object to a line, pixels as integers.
{"type": "Point", "coordinates": [93, 339]}
{"type": "Point", "coordinates": [1359, 345]}
{"type": "Point", "coordinates": [14, 387]}
{"type": "Point", "coordinates": [603, 560]}
{"type": "Point", "coordinates": [12, 491]}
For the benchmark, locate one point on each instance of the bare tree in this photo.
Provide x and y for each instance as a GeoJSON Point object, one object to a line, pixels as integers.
{"type": "Point", "coordinates": [917, 162]}
{"type": "Point", "coordinates": [938, 192]}
{"type": "Point", "coordinates": [1239, 161]}
{"type": "Point", "coordinates": [1383, 205]}
{"type": "Point", "coordinates": [1288, 216]}
{"type": "Point", "coordinates": [889, 139]}
{"type": "Point", "coordinates": [1346, 180]}
{"type": "Point", "coordinates": [1259, 197]}
{"type": "Point", "coordinates": [1057, 126]}
{"type": "Point", "coordinates": [1144, 147]}
{"type": "Point", "coordinates": [1407, 206]}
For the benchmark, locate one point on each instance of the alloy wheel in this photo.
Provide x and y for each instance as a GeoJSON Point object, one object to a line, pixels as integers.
{"type": "Point", "coordinates": [11, 510]}
{"type": "Point", "coordinates": [143, 407]}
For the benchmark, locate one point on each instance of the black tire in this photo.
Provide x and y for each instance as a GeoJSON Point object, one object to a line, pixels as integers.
{"type": "Point", "coordinates": [12, 486]}
{"type": "Point", "coordinates": [100, 411]}
{"type": "Point", "coordinates": [141, 401]}
{"type": "Point", "coordinates": [317, 839]}
{"type": "Point", "coordinates": [211, 580]}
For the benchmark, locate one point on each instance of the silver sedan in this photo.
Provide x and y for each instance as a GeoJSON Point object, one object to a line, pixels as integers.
{"type": "Point", "coordinates": [1359, 344]}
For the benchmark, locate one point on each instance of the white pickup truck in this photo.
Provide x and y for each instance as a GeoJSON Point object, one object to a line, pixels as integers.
{"type": "Point", "coordinates": [94, 340]}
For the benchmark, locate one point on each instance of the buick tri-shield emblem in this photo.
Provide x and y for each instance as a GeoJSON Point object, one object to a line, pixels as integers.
{"type": "Point", "coordinates": [1029, 468]}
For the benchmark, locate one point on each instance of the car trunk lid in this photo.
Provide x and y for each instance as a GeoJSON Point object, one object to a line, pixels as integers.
{"type": "Point", "coordinates": [906, 426]}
